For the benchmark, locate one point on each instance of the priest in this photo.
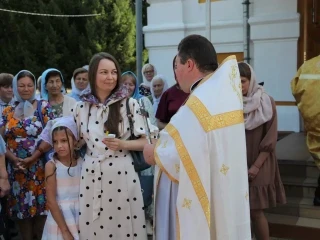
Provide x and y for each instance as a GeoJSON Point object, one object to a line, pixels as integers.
{"type": "Point", "coordinates": [201, 183]}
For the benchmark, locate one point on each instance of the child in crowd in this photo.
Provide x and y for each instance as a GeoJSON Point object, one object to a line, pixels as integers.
{"type": "Point", "coordinates": [62, 181]}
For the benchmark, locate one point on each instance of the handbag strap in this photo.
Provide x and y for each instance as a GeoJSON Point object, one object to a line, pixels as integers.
{"type": "Point", "coordinates": [39, 110]}
{"type": "Point", "coordinates": [129, 115]}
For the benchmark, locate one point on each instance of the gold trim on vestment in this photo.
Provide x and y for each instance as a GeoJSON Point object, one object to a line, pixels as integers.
{"type": "Point", "coordinates": [177, 225]}
{"type": "Point", "coordinates": [228, 58]}
{"type": "Point", "coordinates": [155, 199]}
{"type": "Point", "coordinates": [191, 171]}
{"type": "Point", "coordinates": [160, 165]}
{"type": "Point", "coordinates": [213, 122]}
{"type": "Point", "coordinates": [309, 76]}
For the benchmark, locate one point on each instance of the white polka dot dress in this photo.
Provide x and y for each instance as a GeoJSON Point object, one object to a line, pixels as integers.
{"type": "Point", "coordinates": [111, 204]}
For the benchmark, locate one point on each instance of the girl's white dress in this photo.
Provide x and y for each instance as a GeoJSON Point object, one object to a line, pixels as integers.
{"type": "Point", "coordinates": [68, 188]}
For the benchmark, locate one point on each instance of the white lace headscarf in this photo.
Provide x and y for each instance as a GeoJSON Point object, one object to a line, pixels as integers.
{"type": "Point", "coordinates": [67, 122]}
{"type": "Point", "coordinates": [145, 81]}
{"type": "Point", "coordinates": [156, 100]}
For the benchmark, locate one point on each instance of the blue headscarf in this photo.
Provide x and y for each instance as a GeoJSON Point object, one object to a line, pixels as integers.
{"type": "Point", "coordinates": [25, 107]}
{"type": "Point", "coordinates": [44, 91]}
{"type": "Point", "coordinates": [136, 95]}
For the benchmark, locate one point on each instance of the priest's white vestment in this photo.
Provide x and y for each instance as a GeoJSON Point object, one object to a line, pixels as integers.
{"type": "Point", "coordinates": [203, 150]}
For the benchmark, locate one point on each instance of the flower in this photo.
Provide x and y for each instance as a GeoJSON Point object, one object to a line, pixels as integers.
{"type": "Point", "coordinates": [40, 174]}
{"type": "Point", "coordinates": [41, 199]}
{"type": "Point", "coordinates": [45, 119]}
{"type": "Point", "coordinates": [15, 188]}
{"type": "Point", "coordinates": [20, 215]}
{"type": "Point", "coordinates": [19, 132]}
{"type": "Point", "coordinates": [12, 123]}
{"type": "Point", "coordinates": [33, 211]}
{"type": "Point", "coordinates": [29, 198]}
{"type": "Point", "coordinates": [38, 124]}
{"type": "Point", "coordinates": [32, 148]}
{"type": "Point", "coordinates": [20, 178]}
{"type": "Point", "coordinates": [27, 122]}
{"type": "Point", "coordinates": [22, 153]}
{"type": "Point", "coordinates": [27, 143]}
{"type": "Point", "coordinates": [6, 110]}
{"type": "Point", "coordinates": [31, 130]}
{"type": "Point", "coordinates": [12, 144]}
{"type": "Point", "coordinates": [31, 186]}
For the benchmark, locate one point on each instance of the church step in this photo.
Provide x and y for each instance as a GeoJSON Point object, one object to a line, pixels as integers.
{"type": "Point", "coordinates": [297, 228]}
{"type": "Point", "coordinates": [299, 207]}
{"type": "Point", "coordinates": [299, 187]}
{"type": "Point", "coordinates": [303, 169]}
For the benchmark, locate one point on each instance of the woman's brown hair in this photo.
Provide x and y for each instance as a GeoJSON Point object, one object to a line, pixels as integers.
{"type": "Point", "coordinates": [114, 117]}
{"type": "Point", "coordinates": [244, 70]}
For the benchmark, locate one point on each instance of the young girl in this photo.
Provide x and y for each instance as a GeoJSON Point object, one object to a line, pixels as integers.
{"type": "Point", "coordinates": [62, 181]}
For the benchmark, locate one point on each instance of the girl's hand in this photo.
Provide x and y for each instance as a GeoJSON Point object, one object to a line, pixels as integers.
{"type": "Point", "coordinates": [114, 144]}
{"type": "Point", "coordinates": [253, 172]}
{"type": "Point", "coordinates": [67, 235]}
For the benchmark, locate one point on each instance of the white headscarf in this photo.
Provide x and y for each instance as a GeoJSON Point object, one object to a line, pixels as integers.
{"type": "Point", "coordinates": [68, 122]}
{"type": "Point", "coordinates": [75, 92]}
{"type": "Point", "coordinates": [25, 107]}
{"type": "Point", "coordinates": [145, 81]}
{"type": "Point", "coordinates": [257, 107]}
{"type": "Point", "coordinates": [156, 100]}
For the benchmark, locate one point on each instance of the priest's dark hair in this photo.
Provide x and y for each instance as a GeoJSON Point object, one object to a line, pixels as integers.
{"type": "Point", "coordinates": [200, 50]}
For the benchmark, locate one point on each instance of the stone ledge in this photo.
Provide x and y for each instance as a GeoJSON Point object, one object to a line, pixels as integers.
{"type": "Point", "coordinates": [293, 149]}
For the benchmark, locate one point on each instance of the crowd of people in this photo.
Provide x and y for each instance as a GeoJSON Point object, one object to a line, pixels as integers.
{"type": "Point", "coordinates": [68, 172]}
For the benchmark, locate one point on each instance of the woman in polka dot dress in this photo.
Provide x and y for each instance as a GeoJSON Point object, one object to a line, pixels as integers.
{"type": "Point", "coordinates": [111, 204]}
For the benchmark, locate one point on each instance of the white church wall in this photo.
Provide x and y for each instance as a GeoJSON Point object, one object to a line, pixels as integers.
{"type": "Point", "coordinates": [274, 34]}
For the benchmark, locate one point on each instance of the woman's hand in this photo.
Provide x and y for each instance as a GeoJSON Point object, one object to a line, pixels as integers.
{"type": "Point", "coordinates": [16, 163]}
{"type": "Point", "coordinates": [253, 172]}
{"type": "Point", "coordinates": [26, 163]}
{"type": "Point", "coordinates": [67, 235]}
{"type": "Point", "coordinates": [4, 183]}
{"type": "Point", "coordinates": [114, 144]}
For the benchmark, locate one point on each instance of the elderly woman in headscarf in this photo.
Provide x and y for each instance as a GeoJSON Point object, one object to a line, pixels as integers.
{"type": "Point", "coordinates": [266, 188]}
{"type": "Point", "coordinates": [129, 80]}
{"type": "Point", "coordinates": [159, 85]}
{"type": "Point", "coordinates": [148, 72]}
{"type": "Point", "coordinates": [52, 88]}
{"type": "Point", "coordinates": [21, 124]}
{"type": "Point", "coordinates": [79, 82]}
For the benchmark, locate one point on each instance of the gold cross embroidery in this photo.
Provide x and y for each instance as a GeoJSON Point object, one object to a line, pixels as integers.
{"type": "Point", "coordinates": [233, 74]}
{"type": "Point", "coordinates": [247, 196]}
{"type": "Point", "coordinates": [164, 144]}
{"type": "Point", "coordinates": [177, 167]}
{"type": "Point", "coordinates": [187, 203]}
{"type": "Point", "coordinates": [224, 169]}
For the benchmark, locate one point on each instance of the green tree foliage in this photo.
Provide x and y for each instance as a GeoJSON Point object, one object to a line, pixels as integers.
{"type": "Point", "coordinates": [37, 42]}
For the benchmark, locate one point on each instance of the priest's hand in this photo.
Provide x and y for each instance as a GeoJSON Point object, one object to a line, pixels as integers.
{"type": "Point", "coordinates": [253, 172]}
{"type": "Point", "coordinates": [148, 153]}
